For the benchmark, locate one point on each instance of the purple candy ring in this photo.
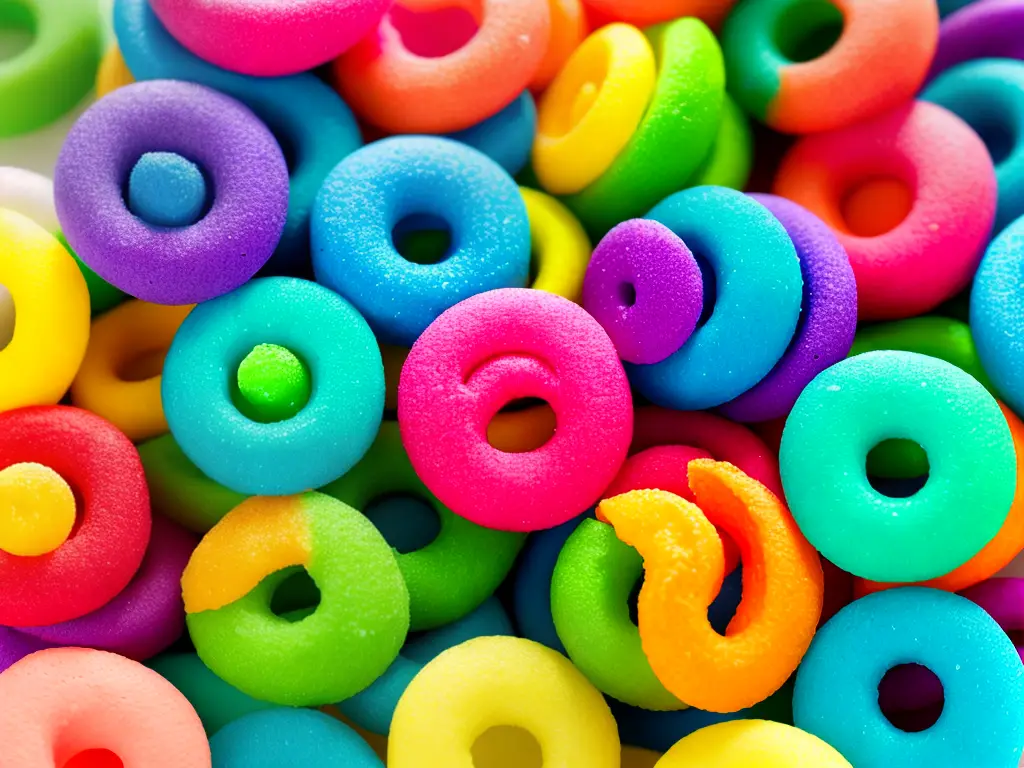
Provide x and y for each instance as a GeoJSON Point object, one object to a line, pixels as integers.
{"type": "Point", "coordinates": [644, 287]}
{"type": "Point", "coordinates": [15, 646]}
{"type": "Point", "coordinates": [240, 161]}
{"type": "Point", "coordinates": [828, 318]}
{"type": "Point", "coordinates": [990, 29]}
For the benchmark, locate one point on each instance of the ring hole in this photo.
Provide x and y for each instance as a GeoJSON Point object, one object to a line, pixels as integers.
{"type": "Point", "coordinates": [95, 758]}
{"type": "Point", "coordinates": [407, 522]}
{"type": "Point", "coordinates": [505, 745]}
{"type": "Point", "coordinates": [17, 29]}
{"type": "Point", "coordinates": [911, 697]}
{"type": "Point", "coordinates": [523, 425]}
{"type": "Point", "coordinates": [296, 597]}
{"type": "Point", "coordinates": [999, 135]}
{"type": "Point", "coordinates": [897, 468]}
{"type": "Point", "coordinates": [633, 601]}
{"type": "Point", "coordinates": [627, 295]}
{"type": "Point", "coordinates": [422, 238]}
{"type": "Point", "coordinates": [876, 206]}
{"type": "Point", "coordinates": [710, 283]}
{"type": "Point", "coordinates": [432, 34]}
{"type": "Point", "coordinates": [808, 29]}
{"type": "Point", "coordinates": [271, 384]}
{"type": "Point", "coordinates": [143, 366]}
{"type": "Point", "coordinates": [7, 317]}
{"type": "Point", "coordinates": [586, 86]}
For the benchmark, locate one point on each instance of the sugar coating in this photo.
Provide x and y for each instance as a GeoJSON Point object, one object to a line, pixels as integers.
{"type": "Point", "coordinates": [166, 189]}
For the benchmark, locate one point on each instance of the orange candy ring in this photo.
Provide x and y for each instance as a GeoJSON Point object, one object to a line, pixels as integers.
{"type": "Point", "coordinates": [684, 565]}
{"type": "Point", "coordinates": [568, 28]}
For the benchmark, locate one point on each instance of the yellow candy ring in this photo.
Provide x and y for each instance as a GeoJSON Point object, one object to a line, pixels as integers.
{"type": "Point", "coordinates": [120, 375]}
{"type": "Point", "coordinates": [113, 72]}
{"type": "Point", "coordinates": [51, 305]}
{"type": "Point", "coordinates": [746, 743]}
{"type": "Point", "coordinates": [593, 107]}
{"type": "Point", "coordinates": [561, 248]}
{"type": "Point", "coordinates": [501, 681]}
{"type": "Point", "coordinates": [684, 565]}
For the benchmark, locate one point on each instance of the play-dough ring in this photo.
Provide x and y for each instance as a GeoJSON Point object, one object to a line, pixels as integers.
{"type": "Point", "coordinates": [757, 307]}
{"type": "Point", "coordinates": [65, 49]}
{"type": "Point", "coordinates": [508, 681]}
{"type": "Point", "coordinates": [391, 85]}
{"type": "Point", "coordinates": [363, 615]}
{"type": "Point", "coordinates": [29, 194]}
{"type": "Point", "coordinates": [985, 30]}
{"type": "Point", "coordinates": [103, 701]}
{"type": "Point", "coordinates": [866, 399]}
{"type": "Point", "coordinates": [400, 179]}
{"type": "Point", "coordinates": [560, 246]}
{"type": "Point", "coordinates": [107, 545]}
{"type": "Point", "coordinates": [588, 114]}
{"type": "Point", "coordinates": [307, 117]}
{"type": "Point", "coordinates": [246, 171]}
{"type": "Point", "coordinates": [836, 694]}
{"type": "Point", "coordinates": [506, 137]}
{"type": "Point", "coordinates": [268, 39]}
{"type": "Point", "coordinates": [947, 174]}
{"type": "Point", "coordinates": [119, 378]}
{"type": "Point", "coordinates": [455, 572]}
{"type": "Point", "coordinates": [670, 143]}
{"type": "Point", "coordinates": [778, 54]}
{"type": "Point", "coordinates": [746, 743]}
{"type": "Point", "coordinates": [644, 13]}
{"type": "Point", "coordinates": [325, 438]}
{"type": "Point", "coordinates": [828, 319]}
{"type": "Point", "coordinates": [515, 343]}
{"type": "Point", "coordinates": [113, 72]}
{"type": "Point", "coordinates": [51, 314]}
{"type": "Point", "coordinates": [568, 28]}
{"type": "Point", "coordinates": [684, 566]}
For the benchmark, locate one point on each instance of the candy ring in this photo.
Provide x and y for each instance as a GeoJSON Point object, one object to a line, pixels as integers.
{"type": "Point", "coordinates": [308, 119]}
{"type": "Point", "coordinates": [119, 378]}
{"type": "Point", "coordinates": [985, 30]}
{"type": "Point", "coordinates": [506, 137]}
{"type": "Point", "coordinates": [684, 565]}
{"type": "Point", "coordinates": [669, 144]}
{"type": "Point", "coordinates": [560, 245]}
{"type": "Point", "coordinates": [113, 72]}
{"type": "Point", "coordinates": [227, 600]}
{"type": "Point", "coordinates": [65, 47]}
{"type": "Point", "coordinates": [989, 96]}
{"type": "Point", "coordinates": [828, 322]}
{"type": "Point", "coordinates": [515, 343]}
{"type": "Point", "coordinates": [50, 317]}
{"type": "Point", "coordinates": [389, 83]}
{"type": "Point", "coordinates": [501, 681]}
{"type": "Point", "coordinates": [645, 289]}
{"type": "Point", "coordinates": [568, 28]}
{"type": "Point", "coordinates": [786, 55]}
{"type": "Point", "coordinates": [29, 194]}
{"type": "Point", "coordinates": [207, 258]}
{"type": "Point", "coordinates": [729, 161]}
{"type": "Point", "coordinates": [277, 38]}
{"type": "Point", "coordinates": [944, 173]}
{"type": "Point", "coordinates": [749, 326]}
{"type": "Point", "coordinates": [392, 183]}
{"type": "Point", "coordinates": [644, 13]}
{"type": "Point", "coordinates": [103, 702]}
{"type": "Point", "coordinates": [836, 694]}
{"type": "Point", "coordinates": [107, 545]}
{"type": "Point", "coordinates": [860, 402]}
{"type": "Point", "coordinates": [455, 572]}
{"type": "Point", "coordinates": [742, 743]}
{"type": "Point", "coordinates": [595, 104]}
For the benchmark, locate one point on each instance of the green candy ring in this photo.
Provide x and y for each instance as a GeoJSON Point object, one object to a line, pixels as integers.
{"type": "Point", "coordinates": [730, 160]}
{"type": "Point", "coordinates": [453, 574]}
{"type": "Point", "coordinates": [856, 404]}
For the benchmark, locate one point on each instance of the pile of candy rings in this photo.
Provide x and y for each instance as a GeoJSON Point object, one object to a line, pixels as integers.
{"type": "Point", "coordinates": [512, 384]}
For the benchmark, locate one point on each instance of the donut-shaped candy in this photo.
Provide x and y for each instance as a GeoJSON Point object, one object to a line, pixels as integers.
{"type": "Point", "coordinates": [325, 438]}
{"type": "Point", "coordinates": [66, 47]}
{"type": "Point", "coordinates": [756, 307]}
{"type": "Point", "coordinates": [836, 694]}
{"type": "Point", "coordinates": [363, 615]}
{"type": "Point", "coordinates": [403, 179]}
{"type": "Point", "coordinates": [644, 13]}
{"type": "Point", "coordinates": [728, 162]}
{"type": "Point", "coordinates": [745, 743]}
{"type": "Point", "coordinates": [29, 194]}
{"type": "Point", "coordinates": [907, 267]}
{"type": "Point", "coordinates": [501, 681]}
{"type": "Point", "coordinates": [787, 55]}
{"type": "Point", "coordinates": [506, 137]}
{"type": "Point", "coordinates": [559, 244]}
{"type": "Point", "coordinates": [389, 83]}
{"type": "Point", "coordinates": [455, 572]}
{"type": "Point", "coordinates": [50, 315]}
{"type": "Point", "coordinates": [568, 28]}
{"type": "Point", "coordinates": [515, 343]}
{"type": "Point", "coordinates": [645, 289]}
{"type": "Point", "coordinates": [858, 403]}
{"type": "Point", "coordinates": [990, 29]}
{"type": "Point", "coordinates": [104, 550]}
{"type": "Point", "coordinates": [113, 72]}
{"type": "Point", "coordinates": [827, 324]}
{"type": "Point", "coordinates": [102, 701]}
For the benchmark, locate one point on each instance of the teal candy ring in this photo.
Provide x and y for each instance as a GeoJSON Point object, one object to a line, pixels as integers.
{"type": "Point", "coordinates": [862, 401]}
{"type": "Point", "coordinates": [458, 570]}
{"type": "Point", "coordinates": [57, 70]}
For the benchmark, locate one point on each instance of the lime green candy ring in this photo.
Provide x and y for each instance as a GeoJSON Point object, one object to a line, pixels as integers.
{"type": "Point", "coordinates": [675, 135]}
{"type": "Point", "coordinates": [54, 73]}
{"type": "Point", "coordinates": [102, 295]}
{"type": "Point", "coordinates": [590, 589]}
{"type": "Point", "coordinates": [461, 567]}
{"type": "Point", "coordinates": [362, 617]}
{"type": "Point", "coordinates": [729, 162]}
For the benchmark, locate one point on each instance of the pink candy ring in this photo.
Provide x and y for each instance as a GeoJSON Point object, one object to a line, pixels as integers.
{"type": "Point", "coordinates": [919, 160]}
{"type": "Point", "coordinates": [267, 38]}
{"type": "Point", "coordinates": [486, 352]}
{"type": "Point", "coordinates": [63, 702]}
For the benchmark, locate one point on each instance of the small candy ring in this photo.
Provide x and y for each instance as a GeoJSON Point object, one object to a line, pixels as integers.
{"type": "Point", "coordinates": [744, 743]}
{"type": "Point", "coordinates": [561, 249]}
{"type": "Point", "coordinates": [985, 30]}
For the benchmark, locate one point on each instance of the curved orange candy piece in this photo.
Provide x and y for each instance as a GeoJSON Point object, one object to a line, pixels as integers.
{"type": "Point", "coordinates": [643, 13]}
{"type": "Point", "coordinates": [783, 586]}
